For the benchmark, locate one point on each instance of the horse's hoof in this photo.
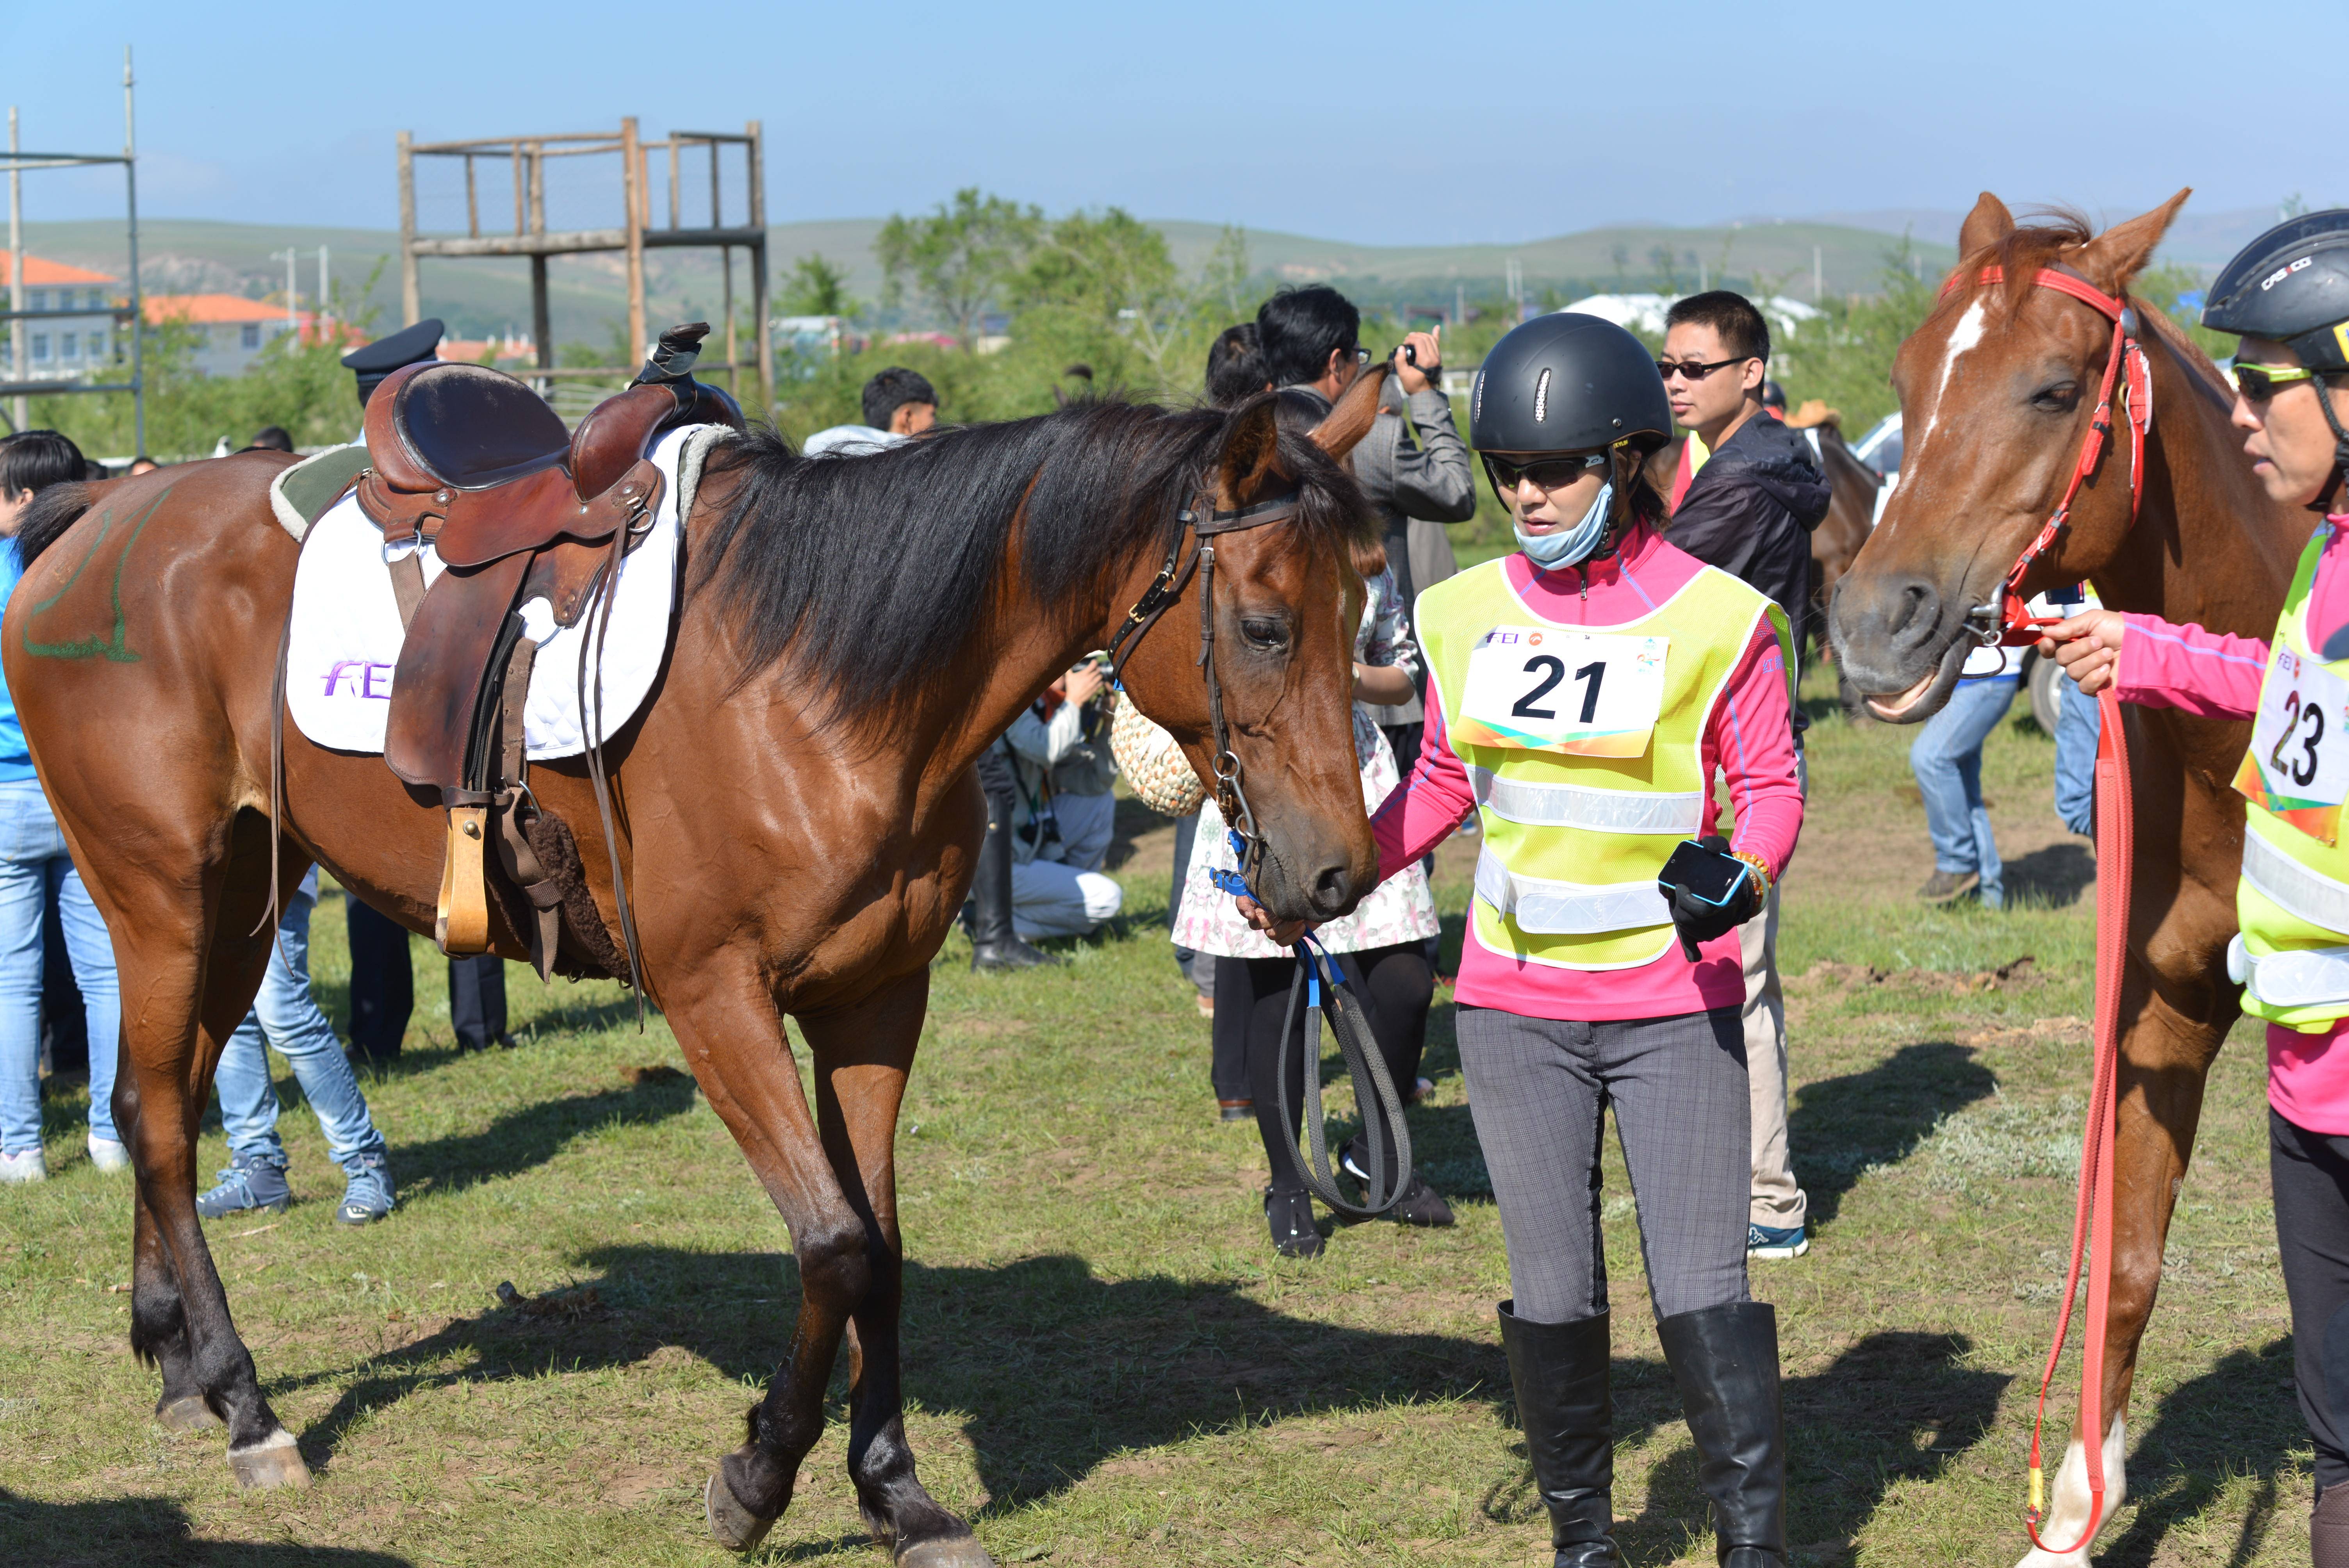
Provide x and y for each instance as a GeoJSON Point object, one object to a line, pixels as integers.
{"type": "Point", "coordinates": [736, 1527]}
{"type": "Point", "coordinates": [274, 1461]}
{"type": "Point", "coordinates": [187, 1413]}
{"type": "Point", "coordinates": [956, 1551]}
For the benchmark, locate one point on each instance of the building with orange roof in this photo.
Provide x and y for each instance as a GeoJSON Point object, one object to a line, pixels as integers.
{"type": "Point", "coordinates": [230, 330]}
{"type": "Point", "coordinates": [79, 335]}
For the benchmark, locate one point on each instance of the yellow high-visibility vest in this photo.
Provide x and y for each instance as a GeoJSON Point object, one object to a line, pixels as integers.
{"type": "Point", "coordinates": [1573, 840]}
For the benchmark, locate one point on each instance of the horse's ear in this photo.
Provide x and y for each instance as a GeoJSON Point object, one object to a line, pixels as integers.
{"type": "Point", "coordinates": [1251, 460]}
{"type": "Point", "coordinates": [1985, 226]}
{"type": "Point", "coordinates": [2114, 256]}
{"type": "Point", "coordinates": [1356, 412]}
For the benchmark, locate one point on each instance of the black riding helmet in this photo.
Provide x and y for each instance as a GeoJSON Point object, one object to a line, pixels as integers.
{"type": "Point", "coordinates": [1569, 382]}
{"type": "Point", "coordinates": [2292, 285]}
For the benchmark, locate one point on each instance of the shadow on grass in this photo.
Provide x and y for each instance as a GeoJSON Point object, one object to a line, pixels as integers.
{"type": "Point", "coordinates": [1840, 1126]}
{"type": "Point", "coordinates": [1055, 1371]}
{"type": "Point", "coordinates": [2053, 877]}
{"type": "Point", "coordinates": [2233, 1420]}
{"type": "Point", "coordinates": [147, 1529]}
{"type": "Point", "coordinates": [530, 1137]}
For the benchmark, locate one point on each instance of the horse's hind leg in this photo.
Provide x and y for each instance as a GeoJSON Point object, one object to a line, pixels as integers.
{"type": "Point", "coordinates": [159, 1323]}
{"type": "Point", "coordinates": [733, 1040]}
{"type": "Point", "coordinates": [862, 1059]}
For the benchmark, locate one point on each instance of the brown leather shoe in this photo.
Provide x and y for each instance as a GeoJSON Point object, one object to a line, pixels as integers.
{"type": "Point", "coordinates": [1947, 887]}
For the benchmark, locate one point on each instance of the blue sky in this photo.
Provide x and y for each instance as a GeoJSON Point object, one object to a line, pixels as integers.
{"type": "Point", "coordinates": [1370, 122]}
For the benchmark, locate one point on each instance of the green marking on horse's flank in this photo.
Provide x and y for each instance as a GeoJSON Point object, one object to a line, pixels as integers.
{"type": "Point", "coordinates": [115, 646]}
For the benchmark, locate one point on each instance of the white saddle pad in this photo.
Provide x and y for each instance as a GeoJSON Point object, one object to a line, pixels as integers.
{"type": "Point", "coordinates": [346, 633]}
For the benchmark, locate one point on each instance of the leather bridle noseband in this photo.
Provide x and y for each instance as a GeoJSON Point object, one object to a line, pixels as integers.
{"type": "Point", "coordinates": [2005, 621]}
{"type": "Point", "coordinates": [1202, 521]}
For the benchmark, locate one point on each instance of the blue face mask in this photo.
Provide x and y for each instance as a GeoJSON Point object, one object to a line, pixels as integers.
{"type": "Point", "coordinates": [1569, 546]}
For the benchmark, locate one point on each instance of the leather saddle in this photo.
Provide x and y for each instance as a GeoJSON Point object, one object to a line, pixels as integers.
{"type": "Point", "coordinates": [470, 461]}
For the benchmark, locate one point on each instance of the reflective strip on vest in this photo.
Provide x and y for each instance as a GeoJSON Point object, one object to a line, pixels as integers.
{"type": "Point", "coordinates": [1596, 810]}
{"type": "Point", "coordinates": [1568, 909]}
{"type": "Point", "coordinates": [2295, 888]}
{"type": "Point", "coordinates": [2296, 977]}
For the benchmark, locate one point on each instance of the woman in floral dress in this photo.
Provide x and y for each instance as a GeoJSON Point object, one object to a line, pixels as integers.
{"type": "Point", "coordinates": [1383, 947]}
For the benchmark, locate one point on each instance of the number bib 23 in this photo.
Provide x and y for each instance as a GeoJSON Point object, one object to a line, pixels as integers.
{"type": "Point", "coordinates": [1539, 688]}
{"type": "Point", "coordinates": [2298, 766]}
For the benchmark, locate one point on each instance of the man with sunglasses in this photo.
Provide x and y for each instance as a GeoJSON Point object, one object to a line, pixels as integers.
{"type": "Point", "coordinates": [1750, 511]}
{"type": "Point", "coordinates": [2287, 296]}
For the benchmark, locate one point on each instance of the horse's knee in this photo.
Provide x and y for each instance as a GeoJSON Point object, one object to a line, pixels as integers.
{"type": "Point", "coordinates": [836, 1265]}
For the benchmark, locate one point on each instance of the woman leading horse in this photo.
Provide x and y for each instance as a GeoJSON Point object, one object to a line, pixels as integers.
{"type": "Point", "coordinates": [796, 811]}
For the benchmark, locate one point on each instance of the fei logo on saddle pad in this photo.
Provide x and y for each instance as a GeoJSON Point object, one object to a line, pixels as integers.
{"type": "Point", "coordinates": [1539, 688]}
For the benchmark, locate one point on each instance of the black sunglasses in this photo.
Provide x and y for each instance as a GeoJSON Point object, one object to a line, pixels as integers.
{"type": "Point", "coordinates": [1696, 370]}
{"type": "Point", "coordinates": [1547, 475]}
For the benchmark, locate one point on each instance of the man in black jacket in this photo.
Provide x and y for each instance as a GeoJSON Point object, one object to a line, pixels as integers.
{"type": "Point", "coordinates": [1750, 511]}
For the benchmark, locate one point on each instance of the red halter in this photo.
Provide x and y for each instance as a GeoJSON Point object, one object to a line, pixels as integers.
{"type": "Point", "coordinates": [2003, 620]}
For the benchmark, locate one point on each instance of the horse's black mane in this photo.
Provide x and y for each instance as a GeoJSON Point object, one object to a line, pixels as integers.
{"type": "Point", "coordinates": [867, 575]}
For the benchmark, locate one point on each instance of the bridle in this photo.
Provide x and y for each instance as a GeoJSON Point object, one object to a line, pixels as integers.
{"type": "Point", "coordinates": [1202, 521]}
{"type": "Point", "coordinates": [2004, 621]}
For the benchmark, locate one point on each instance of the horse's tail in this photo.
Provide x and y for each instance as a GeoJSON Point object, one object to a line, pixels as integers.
{"type": "Point", "coordinates": [52, 512]}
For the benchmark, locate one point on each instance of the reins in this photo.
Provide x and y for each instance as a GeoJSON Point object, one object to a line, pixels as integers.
{"type": "Point", "coordinates": [1349, 1021]}
{"type": "Point", "coordinates": [2007, 621]}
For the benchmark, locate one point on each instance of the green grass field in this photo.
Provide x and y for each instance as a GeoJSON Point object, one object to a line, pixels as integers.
{"type": "Point", "coordinates": [1106, 1363]}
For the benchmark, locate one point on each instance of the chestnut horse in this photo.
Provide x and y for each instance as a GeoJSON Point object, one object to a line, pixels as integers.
{"type": "Point", "coordinates": [799, 816]}
{"type": "Point", "coordinates": [1997, 389]}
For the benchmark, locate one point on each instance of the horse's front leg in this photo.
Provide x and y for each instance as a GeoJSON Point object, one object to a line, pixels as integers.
{"type": "Point", "coordinates": [861, 1056]}
{"type": "Point", "coordinates": [733, 1040]}
{"type": "Point", "coordinates": [2165, 1061]}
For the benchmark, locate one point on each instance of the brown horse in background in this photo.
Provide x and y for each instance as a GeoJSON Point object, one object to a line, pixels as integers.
{"type": "Point", "coordinates": [798, 814]}
{"type": "Point", "coordinates": [1851, 511]}
{"type": "Point", "coordinates": [1997, 388]}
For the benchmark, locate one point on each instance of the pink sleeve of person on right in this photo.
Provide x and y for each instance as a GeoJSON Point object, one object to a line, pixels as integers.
{"type": "Point", "coordinates": [2210, 675]}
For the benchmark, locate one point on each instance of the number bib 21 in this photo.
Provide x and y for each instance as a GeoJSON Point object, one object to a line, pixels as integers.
{"type": "Point", "coordinates": [1539, 688]}
{"type": "Point", "coordinates": [2298, 766]}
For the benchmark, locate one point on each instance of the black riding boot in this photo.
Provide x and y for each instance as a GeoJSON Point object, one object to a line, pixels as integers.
{"type": "Point", "coordinates": [1559, 1371]}
{"type": "Point", "coordinates": [1725, 1359]}
{"type": "Point", "coordinates": [994, 945]}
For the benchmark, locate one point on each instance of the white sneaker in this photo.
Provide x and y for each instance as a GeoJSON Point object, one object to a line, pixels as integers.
{"type": "Point", "coordinates": [26, 1167]}
{"type": "Point", "coordinates": [108, 1155]}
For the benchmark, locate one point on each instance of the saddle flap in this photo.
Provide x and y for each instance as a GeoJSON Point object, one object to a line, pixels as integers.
{"type": "Point", "coordinates": [534, 513]}
{"type": "Point", "coordinates": [436, 684]}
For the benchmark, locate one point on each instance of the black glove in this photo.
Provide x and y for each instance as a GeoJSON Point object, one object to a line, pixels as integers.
{"type": "Point", "coordinates": [1700, 922]}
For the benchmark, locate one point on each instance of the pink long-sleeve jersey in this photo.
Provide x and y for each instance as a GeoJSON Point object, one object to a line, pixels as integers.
{"type": "Point", "coordinates": [2214, 676]}
{"type": "Point", "coordinates": [1750, 740]}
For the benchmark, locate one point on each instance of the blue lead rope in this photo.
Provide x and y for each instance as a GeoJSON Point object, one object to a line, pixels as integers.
{"type": "Point", "coordinates": [1234, 883]}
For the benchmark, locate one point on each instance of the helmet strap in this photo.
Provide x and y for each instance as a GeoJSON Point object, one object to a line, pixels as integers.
{"type": "Point", "coordinates": [2325, 498]}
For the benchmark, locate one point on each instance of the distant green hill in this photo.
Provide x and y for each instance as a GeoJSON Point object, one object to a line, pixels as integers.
{"type": "Point", "coordinates": [478, 297]}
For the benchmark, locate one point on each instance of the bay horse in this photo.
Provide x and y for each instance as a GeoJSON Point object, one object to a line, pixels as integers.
{"type": "Point", "coordinates": [1997, 388]}
{"type": "Point", "coordinates": [798, 814]}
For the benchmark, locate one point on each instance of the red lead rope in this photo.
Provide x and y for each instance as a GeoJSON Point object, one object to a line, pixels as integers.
{"type": "Point", "coordinates": [2093, 1213]}
{"type": "Point", "coordinates": [2128, 374]}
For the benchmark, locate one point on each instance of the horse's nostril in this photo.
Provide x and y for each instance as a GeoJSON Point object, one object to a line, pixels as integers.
{"type": "Point", "coordinates": [1919, 615]}
{"type": "Point", "coordinates": [1330, 889]}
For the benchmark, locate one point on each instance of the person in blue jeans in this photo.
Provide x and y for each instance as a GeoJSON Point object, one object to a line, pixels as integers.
{"type": "Point", "coordinates": [2078, 723]}
{"type": "Point", "coordinates": [33, 861]}
{"type": "Point", "coordinates": [1947, 760]}
{"type": "Point", "coordinates": [287, 1015]}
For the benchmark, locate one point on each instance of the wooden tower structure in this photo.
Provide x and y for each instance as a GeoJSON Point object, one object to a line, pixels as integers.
{"type": "Point", "coordinates": [526, 156]}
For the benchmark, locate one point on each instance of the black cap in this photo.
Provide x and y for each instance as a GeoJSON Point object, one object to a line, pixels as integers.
{"type": "Point", "coordinates": [409, 346]}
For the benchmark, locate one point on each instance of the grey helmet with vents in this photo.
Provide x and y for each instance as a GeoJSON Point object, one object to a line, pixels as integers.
{"type": "Point", "coordinates": [2292, 285]}
{"type": "Point", "coordinates": [1569, 382]}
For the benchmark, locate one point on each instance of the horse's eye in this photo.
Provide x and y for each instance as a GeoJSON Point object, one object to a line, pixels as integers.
{"type": "Point", "coordinates": [1264, 634]}
{"type": "Point", "coordinates": [2060, 398]}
